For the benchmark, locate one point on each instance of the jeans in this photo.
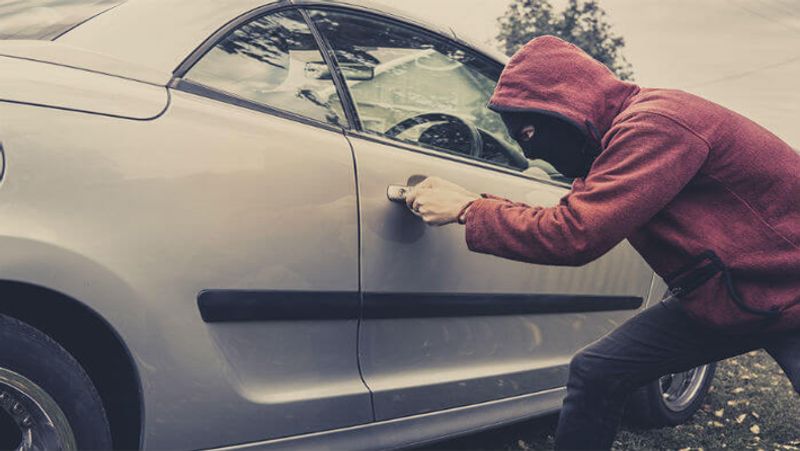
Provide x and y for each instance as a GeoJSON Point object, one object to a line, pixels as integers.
{"type": "Point", "coordinates": [660, 340]}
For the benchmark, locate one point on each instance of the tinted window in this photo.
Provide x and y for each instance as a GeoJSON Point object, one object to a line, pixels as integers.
{"type": "Point", "coordinates": [273, 61]}
{"type": "Point", "coordinates": [46, 19]}
{"type": "Point", "coordinates": [409, 85]}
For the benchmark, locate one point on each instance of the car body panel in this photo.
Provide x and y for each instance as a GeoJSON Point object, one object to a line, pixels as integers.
{"type": "Point", "coordinates": [154, 212]}
{"type": "Point", "coordinates": [37, 83]}
{"type": "Point", "coordinates": [416, 430]}
{"type": "Point", "coordinates": [56, 52]}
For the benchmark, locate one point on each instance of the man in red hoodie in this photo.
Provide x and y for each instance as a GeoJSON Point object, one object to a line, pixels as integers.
{"type": "Point", "coordinates": [710, 199]}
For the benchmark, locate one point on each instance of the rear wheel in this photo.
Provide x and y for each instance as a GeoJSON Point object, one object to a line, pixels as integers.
{"type": "Point", "coordinates": [670, 400]}
{"type": "Point", "coordinates": [47, 401]}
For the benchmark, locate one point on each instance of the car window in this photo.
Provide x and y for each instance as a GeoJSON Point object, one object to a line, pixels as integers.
{"type": "Point", "coordinates": [47, 19]}
{"type": "Point", "coordinates": [273, 61]}
{"type": "Point", "coordinates": [409, 85]}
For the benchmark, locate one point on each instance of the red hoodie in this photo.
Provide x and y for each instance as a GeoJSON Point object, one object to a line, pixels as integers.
{"type": "Point", "coordinates": [677, 175]}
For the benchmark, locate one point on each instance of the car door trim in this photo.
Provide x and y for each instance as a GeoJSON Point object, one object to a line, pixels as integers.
{"type": "Point", "coordinates": [222, 306]}
{"type": "Point", "coordinates": [228, 305]}
{"type": "Point", "coordinates": [201, 90]}
{"type": "Point", "coordinates": [223, 31]}
{"type": "Point", "coordinates": [348, 105]}
{"type": "Point", "coordinates": [452, 157]}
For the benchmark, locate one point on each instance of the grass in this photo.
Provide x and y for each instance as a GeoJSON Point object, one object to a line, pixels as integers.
{"type": "Point", "coordinates": [750, 406]}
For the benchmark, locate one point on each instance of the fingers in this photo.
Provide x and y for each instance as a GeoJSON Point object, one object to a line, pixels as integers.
{"type": "Point", "coordinates": [429, 182]}
{"type": "Point", "coordinates": [414, 193]}
{"type": "Point", "coordinates": [411, 196]}
{"type": "Point", "coordinates": [413, 201]}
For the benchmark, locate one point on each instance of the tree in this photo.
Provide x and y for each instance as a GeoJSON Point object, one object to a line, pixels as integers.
{"type": "Point", "coordinates": [582, 22]}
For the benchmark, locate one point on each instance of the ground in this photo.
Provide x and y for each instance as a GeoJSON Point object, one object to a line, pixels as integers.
{"type": "Point", "coordinates": [750, 406]}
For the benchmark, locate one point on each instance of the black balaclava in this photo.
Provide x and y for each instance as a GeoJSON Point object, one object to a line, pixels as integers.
{"type": "Point", "coordinates": [555, 141]}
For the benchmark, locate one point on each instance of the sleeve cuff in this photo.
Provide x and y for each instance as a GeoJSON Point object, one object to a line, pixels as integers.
{"type": "Point", "coordinates": [474, 221]}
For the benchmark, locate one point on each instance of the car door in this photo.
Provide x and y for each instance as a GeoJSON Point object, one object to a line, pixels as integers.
{"type": "Point", "coordinates": [273, 222]}
{"type": "Point", "coordinates": [442, 326]}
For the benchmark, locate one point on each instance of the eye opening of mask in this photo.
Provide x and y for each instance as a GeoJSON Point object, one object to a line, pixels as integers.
{"type": "Point", "coordinates": [525, 133]}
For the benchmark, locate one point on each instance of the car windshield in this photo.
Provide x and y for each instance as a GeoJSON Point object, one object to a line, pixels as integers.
{"type": "Point", "coordinates": [47, 19]}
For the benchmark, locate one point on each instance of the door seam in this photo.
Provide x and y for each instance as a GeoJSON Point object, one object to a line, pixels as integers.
{"type": "Point", "coordinates": [360, 272]}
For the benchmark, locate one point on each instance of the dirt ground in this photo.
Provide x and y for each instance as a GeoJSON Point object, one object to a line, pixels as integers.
{"type": "Point", "coordinates": [750, 406]}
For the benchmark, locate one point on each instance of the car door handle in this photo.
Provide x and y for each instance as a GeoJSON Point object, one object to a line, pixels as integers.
{"type": "Point", "coordinates": [397, 193]}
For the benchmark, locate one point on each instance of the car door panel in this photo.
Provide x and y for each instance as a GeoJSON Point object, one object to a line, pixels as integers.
{"type": "Point", "coordinates": [416, 361]}
{"type": "Point", "coordinates": [442, 326]}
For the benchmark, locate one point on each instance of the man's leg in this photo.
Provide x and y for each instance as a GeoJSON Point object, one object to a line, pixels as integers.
{"type": "Point", "coordinates": [785, 349]}
{"type": "Point", "coordinates": [659, 340]}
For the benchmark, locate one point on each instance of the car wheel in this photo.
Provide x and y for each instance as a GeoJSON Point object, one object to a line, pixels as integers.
{"type": "Point", "coordinates": [47, 401]}
{"type": "Point", "coordinates": [670, 400]}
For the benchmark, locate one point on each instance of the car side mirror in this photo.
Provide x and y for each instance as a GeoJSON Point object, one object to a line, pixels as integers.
{"type": "Point", "coordinates": [318, 70]}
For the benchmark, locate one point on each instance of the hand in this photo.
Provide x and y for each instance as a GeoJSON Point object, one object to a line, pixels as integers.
{"type": "Point", "coordinates": [437, 201]}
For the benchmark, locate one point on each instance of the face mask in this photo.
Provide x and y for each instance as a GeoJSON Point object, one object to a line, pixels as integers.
{"type": "Point", "coordinates": [554, 140]}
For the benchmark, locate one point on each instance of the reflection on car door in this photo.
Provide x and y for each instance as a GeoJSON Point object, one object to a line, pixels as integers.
{"type": "Point", "coordinates": [443, 326]}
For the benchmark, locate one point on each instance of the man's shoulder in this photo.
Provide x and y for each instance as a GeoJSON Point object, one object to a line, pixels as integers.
{"type": "Point", "coordinates": [697, 115]}
{"type": "Point", "coordinates": [673, 103]}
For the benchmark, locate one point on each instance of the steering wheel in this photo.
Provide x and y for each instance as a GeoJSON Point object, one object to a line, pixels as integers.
{"type": "Point", "coordinates": [515, 157]}
{"type": "Point", "coordinates": [475, 139]}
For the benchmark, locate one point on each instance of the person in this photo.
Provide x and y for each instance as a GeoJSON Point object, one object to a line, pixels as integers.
{"type": "Point", "coordinates": [710, 199]}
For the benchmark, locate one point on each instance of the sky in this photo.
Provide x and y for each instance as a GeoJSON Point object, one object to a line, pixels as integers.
{"type": "Point", "coordinates": [742, 54]}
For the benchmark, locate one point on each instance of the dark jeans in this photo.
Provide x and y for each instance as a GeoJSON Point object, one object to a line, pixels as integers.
{"type": "Point", "coordinates": [658, 341]}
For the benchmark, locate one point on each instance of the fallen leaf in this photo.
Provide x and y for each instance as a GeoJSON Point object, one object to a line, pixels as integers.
{"type": "Point", "coordinates": [755, 429]}
{"type": "Point", "coordinates": [719, 413]}
{"type": "Point", "coordinates": [741, 418]}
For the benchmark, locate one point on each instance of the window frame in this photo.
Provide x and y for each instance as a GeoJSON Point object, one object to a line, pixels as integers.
{"type": "Point", "coordinates": [180, 83]}
{"type": "Point", "coordinates": [356, 130]}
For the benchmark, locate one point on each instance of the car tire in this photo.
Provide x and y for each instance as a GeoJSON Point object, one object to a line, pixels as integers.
{"type": "Point", "coordinates": [671, 400]}
{"type": "Point", "coordinates": [46, 397]}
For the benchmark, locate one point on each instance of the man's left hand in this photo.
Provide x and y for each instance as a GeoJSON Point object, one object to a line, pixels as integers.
{"type": "Point", "coordinates": [437, 201]}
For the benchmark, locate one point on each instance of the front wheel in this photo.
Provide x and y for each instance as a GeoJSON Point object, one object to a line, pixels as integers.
{"type": "Point", "coordinates": [47, 401]}
{"type": "Point", "coordinates": [672, 399]}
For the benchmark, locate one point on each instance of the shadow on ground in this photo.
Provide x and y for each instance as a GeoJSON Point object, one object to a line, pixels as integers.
{"type": "Point", "coordinates": [750, 406]}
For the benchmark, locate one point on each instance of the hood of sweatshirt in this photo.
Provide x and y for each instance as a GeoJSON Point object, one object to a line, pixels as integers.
{"type": "Point", "coordinates": [551, 76]}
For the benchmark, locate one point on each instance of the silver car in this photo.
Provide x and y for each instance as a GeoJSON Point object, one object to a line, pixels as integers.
{"type": "Point", "coordinates": [197, 249]}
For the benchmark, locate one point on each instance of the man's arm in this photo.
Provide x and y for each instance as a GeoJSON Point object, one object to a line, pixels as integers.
{"type": "Point", "coordinates": [648, 160]}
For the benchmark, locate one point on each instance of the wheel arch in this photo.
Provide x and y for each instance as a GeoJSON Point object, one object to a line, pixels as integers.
{"type": "Point", "coordinates": [94, 343]}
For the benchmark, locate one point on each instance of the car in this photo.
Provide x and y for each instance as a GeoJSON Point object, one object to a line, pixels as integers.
{"type": "Point", "coordinates": [198, 250]}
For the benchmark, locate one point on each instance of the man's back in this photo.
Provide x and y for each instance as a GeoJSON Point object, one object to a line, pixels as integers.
{"type": "Point", "coordinates": [741, 204]}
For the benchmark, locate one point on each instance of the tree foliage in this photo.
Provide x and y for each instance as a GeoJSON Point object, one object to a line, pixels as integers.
{"type": "Point", "coordinates": [582, 22]}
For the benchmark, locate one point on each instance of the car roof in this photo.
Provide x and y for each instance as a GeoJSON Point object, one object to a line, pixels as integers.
{"type": "Point", "coordinates": [160, 34]}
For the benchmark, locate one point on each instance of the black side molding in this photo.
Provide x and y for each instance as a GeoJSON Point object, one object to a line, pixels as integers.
{"type": "Point", "coordinates": [428, 305]}
{"type": "Point", "coordinates": [272, 305]}
{"type": "Point", "coordinates": [218, 306]}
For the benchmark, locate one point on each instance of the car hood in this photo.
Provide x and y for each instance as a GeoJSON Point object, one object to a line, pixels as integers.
{"type": "Point", "coordinates": [57, 76]}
